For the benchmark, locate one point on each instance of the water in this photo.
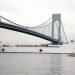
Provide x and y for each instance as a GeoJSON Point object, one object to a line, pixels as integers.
{"type": "Point", "coordinates": [36, 64]}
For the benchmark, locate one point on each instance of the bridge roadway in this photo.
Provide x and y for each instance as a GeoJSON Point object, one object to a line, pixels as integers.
{"type": "Point", "coordinates": [27, 31]}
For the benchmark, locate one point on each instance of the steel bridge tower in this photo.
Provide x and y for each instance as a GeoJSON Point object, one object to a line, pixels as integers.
{"type": "Point", "coordinates": [56, 18]}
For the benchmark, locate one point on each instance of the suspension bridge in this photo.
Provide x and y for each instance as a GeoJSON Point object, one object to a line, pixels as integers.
{"type": "Point", "coordinates": [51, 30]}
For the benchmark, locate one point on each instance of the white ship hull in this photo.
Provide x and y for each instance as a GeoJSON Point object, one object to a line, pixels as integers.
{"type": "Point", "coordinates": [52, 49]}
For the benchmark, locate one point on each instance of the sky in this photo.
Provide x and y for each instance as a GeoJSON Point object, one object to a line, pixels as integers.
{"type": "Point", "coordinates": [34, 12]}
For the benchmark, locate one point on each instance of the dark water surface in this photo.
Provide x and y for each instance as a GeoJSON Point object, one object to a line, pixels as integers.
{"type": "Point", "coordinates": [36, 64]}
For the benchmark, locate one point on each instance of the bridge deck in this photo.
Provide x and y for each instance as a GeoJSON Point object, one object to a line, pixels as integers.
{"type": "Point", "coordinates": [27, 31]}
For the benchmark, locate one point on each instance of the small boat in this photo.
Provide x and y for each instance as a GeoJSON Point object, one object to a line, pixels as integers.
{"type": "Point", "coordinates": [72, 54]}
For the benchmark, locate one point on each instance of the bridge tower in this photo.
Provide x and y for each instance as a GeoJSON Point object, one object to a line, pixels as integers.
{"type": "Point", "coordinates": [56, 18]}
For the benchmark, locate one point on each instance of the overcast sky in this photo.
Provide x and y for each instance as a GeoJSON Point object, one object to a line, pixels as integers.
{"type": "Point", "coordinates": [35, 12]}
